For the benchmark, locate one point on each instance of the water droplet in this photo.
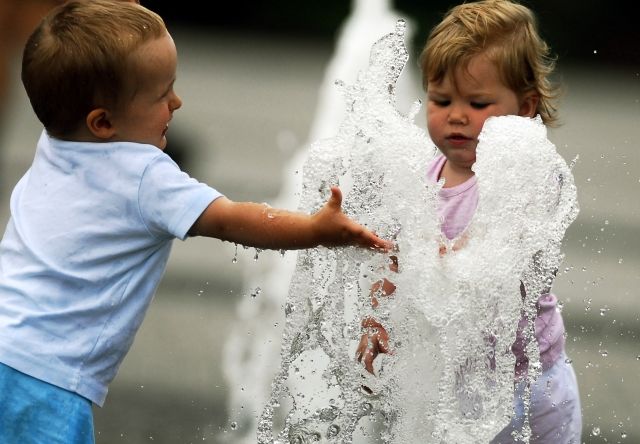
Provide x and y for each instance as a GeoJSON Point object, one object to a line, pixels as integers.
{"type": "Point", "coordinates": [595, 431]}
{"type": "Point", "coordinates": [288, 309]}
{"type": "Point", "coordinates": [333, 431]}
{"type": "Point", "coordinates": [328, 414]}
{"type": "Point", "coordinates": [623, 435]}
{"type": "Point", "coordinates": [604, 353]}
{"type": "Point", "coordinates": [620, 260]}
{"type": "Point", "coordinates": [603, 311]}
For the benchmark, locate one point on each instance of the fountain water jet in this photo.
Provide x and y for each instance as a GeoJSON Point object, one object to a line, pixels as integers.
{"type": "Point", "coordinates": [452, 319]}
{"type": "Point", "coordinates": [250, 361]}
{"type": "Point", "coordinates": [376, 152]}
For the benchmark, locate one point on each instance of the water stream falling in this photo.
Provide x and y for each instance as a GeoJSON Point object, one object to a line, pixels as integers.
{"type": "Point", "coordinates": [453, 318]}
{"type": "Point", "coordinates": [251, 361]}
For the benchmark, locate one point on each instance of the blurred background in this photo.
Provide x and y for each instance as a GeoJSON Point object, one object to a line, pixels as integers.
{"type": "Point", "coordinates": [250, 77]}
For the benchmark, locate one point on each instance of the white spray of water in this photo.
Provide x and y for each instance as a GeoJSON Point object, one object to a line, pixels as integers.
{"type": "Point", "coordinates": [452, 319]}
{"type": "Point", "coordinates": [251, 361]}
{"type": "Point", "coordinates": [322, 323]}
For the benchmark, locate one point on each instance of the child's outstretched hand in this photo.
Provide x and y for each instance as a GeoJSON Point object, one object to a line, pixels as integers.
{"type": "Point", "coordinates": [261, 226]}
{"type": "Point", "coordinates": [334, 228]}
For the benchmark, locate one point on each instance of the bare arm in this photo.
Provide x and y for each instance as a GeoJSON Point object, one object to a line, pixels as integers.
{"type": "Point", "coordinates": [260, 226]}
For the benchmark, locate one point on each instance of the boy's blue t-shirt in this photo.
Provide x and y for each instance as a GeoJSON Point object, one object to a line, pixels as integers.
{"type": "Point", "coordinates": [87, 243]}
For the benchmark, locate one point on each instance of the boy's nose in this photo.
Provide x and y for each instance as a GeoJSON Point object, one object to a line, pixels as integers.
{"type": "Point", "coordinates": [176, 102]}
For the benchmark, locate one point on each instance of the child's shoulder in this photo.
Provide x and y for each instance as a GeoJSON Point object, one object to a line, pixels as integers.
{"type": "Point", "coordinates": [95, 158]}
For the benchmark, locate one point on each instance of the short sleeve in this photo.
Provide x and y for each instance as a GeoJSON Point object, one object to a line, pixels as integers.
{"type": "Point", "coordinates": [170, 200]}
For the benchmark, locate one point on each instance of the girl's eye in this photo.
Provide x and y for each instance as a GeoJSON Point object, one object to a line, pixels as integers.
{"type": "Point", "coordinates": [441, 103]}
{"type": "Point", "coordinates": [479, 105]}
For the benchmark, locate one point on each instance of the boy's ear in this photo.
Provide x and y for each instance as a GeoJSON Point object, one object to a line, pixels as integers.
{"type": "Point", "coordinates": [529, 104]}
{"type": "Point", "coordinates": [99, 123]}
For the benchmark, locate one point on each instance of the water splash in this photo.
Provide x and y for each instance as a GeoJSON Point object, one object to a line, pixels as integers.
{"type": "Point", "coordinates": [252, 360]}
{"type": "Point", "coordinates": [329, 291]}
{"type": "Point", "coordinates": [452, 319]}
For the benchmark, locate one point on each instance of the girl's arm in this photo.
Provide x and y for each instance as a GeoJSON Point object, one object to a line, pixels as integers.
{"type": "Point", "coordinates": [258, 225]}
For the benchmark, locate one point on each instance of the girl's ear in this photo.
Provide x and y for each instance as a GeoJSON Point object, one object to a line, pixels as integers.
{"type": "Point", "coordinates": [529, 104]}
{"type": "Point", "coordinates": [99, 123]}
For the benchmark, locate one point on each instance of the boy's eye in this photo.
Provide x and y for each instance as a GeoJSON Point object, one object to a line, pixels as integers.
{"type": "Point", "coordinates": [479, 105]}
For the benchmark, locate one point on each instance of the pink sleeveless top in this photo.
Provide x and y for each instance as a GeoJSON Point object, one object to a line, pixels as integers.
{"type": "Point", "coordinates": [456, 208]}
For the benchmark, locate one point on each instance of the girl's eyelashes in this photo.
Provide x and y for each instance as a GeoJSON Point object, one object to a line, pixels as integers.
{"type": "Point", "coordinates": [445, 102]}
{"type": "Point", "coordinates": [479, 105]}
{"type": "Point", "coordinates": [441, 103]}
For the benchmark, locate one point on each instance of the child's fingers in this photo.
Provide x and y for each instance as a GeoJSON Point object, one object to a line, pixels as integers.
{"type": "Point", "coordinates": [362, 346]}
{"type": "Point", "coordinates": [383, 343]}
{"type": "Point", "coordinates": [336, 197]}
{"type": "Point", "coordinates": [369, 239]}
{"type": "Point", "coordinates": [372, 344]}
{"type": "Point", "coordinates": [358, 234]}
{"type": "Point", "coordinates": [368, 362]}
{"type": "Point", "coordinates": [367, 352]}
{"type": "Point", "coordinates": [388, 287]}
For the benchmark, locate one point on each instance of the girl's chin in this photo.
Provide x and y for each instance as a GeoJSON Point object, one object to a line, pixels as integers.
{"type": "Point", "coordinates": [464, 161]}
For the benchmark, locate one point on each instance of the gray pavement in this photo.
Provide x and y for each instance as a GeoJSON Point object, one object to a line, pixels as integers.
{"type": "Point", "coordinates": [248, 105]}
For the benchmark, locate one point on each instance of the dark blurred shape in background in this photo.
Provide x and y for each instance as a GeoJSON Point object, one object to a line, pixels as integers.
{"type": "Point", "coordinates": [586, 32]}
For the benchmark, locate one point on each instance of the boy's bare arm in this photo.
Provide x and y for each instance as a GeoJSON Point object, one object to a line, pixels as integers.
{"type": "Point", "coordinates": [260, 226]}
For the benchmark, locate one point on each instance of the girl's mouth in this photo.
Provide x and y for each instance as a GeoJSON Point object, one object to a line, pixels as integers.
{"type": "Point", "coordinates": [457, 139]}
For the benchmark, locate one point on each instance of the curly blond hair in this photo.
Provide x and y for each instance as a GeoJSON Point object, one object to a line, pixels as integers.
{"type": "Point", "coordinates": [507, 33]}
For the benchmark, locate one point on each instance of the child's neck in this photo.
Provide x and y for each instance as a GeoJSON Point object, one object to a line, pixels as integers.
{"type": "Point", "coordinates": [454, 176]}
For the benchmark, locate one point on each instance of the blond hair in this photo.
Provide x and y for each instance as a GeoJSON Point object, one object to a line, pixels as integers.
{"type": "Point", "coordinates": [77, 59]}
{"type": "Point", "coordinates": [507, 33]}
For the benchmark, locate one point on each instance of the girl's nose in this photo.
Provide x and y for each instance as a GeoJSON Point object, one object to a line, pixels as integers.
{"type": "Point", "coordinates": [457, 116]}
